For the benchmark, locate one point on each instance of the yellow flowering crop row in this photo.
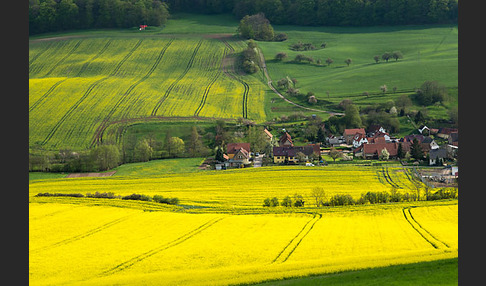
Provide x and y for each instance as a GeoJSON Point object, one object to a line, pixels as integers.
{"type": "Point", "coordinates": [100, 245]}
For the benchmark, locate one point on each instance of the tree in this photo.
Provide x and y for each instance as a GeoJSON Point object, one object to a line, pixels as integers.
{"type": "Point", "coordinates": [319, 196]}
{"type": "Point", "coordinates": [105, 157]}
{"type": "Point", "coordinates": [416, 150]}
{"type": "Point", "coordinates": [298, 200]}
{"type": "Point", "coordinates": [376, 58]}
{"type": "Point", "coordinates": [385, 155]}
{"type": "Point", "coordinates": [256, 27]}
{"type": "Point", "coordinates": [431, 92]}
{"type": "Point", "coordinates": [400, 153]}
{"type": "Point", "coordinates": [384, 88]}
{"type": "Point", "coordinates": [176, 146]}
{"type": "Point", "coordinates": [300, 157]}
{"type": "Point", "coordinates": [195, 145]}
{"type": "Point", "coordinates": [386, 56]}
{"type": "Point", "coordinates": [312, 99]}
{"type": "Point", "coordinates": [219, 154]}
{"type": "Point", "coordinates": [352, 119]}
{"type": "Point", "coordinates": [334, 154]}
{"type": "Point", "coordinates": [143, 151]}
{"type": "Point", "coordinates": [281, 56]}
{"type": "Point", "coordinates": [348, 61]}
{"type": "Point", "coordinates": [397, 55]}
{"type": "Point", "coordinates": [287, 201]}
{"type": "Point", "coordinates": [329, 61]}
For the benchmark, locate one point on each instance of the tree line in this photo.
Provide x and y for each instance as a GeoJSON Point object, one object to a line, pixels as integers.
{"type": "Point", "coordinates": [330, 12]}
{"type": "Point", "coordinates": [59, 15]}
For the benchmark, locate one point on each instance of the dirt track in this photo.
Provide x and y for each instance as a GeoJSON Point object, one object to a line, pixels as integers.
{"type": "Point", "coordinates": [79, 175]}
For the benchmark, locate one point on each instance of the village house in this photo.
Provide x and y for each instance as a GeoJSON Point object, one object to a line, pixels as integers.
{"type": "Point", "coordinates": [373, 151]}
{"type": "Point", "coordinates": [288, 154]}
{"type": "Point", "coordinates": [285, 140]}
{"type": "Point", "coordinates": [350, 133]}
{"type": "Point", "coordinates": [238, 154]}
{"type": "Point", "coordinates": [445, 132]}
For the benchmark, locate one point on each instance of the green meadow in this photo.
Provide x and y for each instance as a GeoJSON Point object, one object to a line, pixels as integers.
{"type": "Point", "coordinates": [429, 53]}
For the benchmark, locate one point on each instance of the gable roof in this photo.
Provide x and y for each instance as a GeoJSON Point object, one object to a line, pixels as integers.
{"type": "Point", "coordinates": [268, 133]}
{"type": "Point", "coordinates": [291, 151]}
{"type": "Point", "coordinates": [232, 148]}
{"type": "Point", "coordinates": [284, 138]}
{"type": "Point", "coordinates": [354, 131]}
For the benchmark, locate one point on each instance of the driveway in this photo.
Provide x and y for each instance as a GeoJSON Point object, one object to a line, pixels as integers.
{"type": "Point", "coordinates": [257, 161]}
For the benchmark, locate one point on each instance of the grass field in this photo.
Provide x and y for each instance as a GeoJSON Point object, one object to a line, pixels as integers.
{"type": "Point", "coordinates": [80, 86]}
{"type": "Point", "coordinates": [429, 53]}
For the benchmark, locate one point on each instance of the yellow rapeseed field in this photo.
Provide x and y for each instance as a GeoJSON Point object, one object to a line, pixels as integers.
{"type": "Point", "coordinates": [221, 234]}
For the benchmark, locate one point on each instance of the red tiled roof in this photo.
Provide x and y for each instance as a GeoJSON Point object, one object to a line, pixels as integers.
{"type": "Point", "coordinates": [268, 133]}
{"type": "Point", "coordinates": [354, 131]}
{"type": "Point", "coordinates": [232, 148]}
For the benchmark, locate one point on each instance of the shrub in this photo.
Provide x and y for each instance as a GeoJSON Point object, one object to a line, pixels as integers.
{"type": "Point", "coordinates": [341, 200]}
{"type": "Point", "coordinates": [280, 37]}
{"type": "Point", "coordinates": [137, 197]}
{"type": "Point", "coordinates": [266, 202]}
{"type": "Point", "coordinates": [287, 201]}
{"type": "Point", "coordinates": [108, 195]}
{"type": "Point", "coordinates": [298, 201]}
{"type": "Point", "coordinates": [163, 200]}
{"type": "Point", "coordinates": [274, 202]}
{"type": "Point", "coordinates": [76, 195]}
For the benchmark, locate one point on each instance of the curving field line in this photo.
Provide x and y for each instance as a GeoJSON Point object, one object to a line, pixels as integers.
{"type": "Point", "coordinates": [208, 88]}
{"type": "Point", "coordinates": [294, 243]}
{"type": "Point", "coordinates": [425, 234]}
{"type": "Point", "coordinates": [233, 75]}
{"type": "Point", "coordinates": [101, 128]}
{"type": "Point", "coordinates": [34, 58]}
{"type": "Point", "coordinates": [83, 68]}
{"type": "Point", "coordinates": [45, 95]}
{"type": "Point", "coordinates": [169, 89]}
{"type": "Point", "coordinates": [175, 242]}
{"type": "Point", "coordinates": [83, 235]}
{"type": "Point", "coordinates": [63, 59]}
{"type": "Point", "coordinates": [388, 178]}
{"type": "Point", "coordinates": [88, 91]}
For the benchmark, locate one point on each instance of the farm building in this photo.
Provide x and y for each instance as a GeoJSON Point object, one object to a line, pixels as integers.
{"type": "Point", "coordinates": [285, 140]}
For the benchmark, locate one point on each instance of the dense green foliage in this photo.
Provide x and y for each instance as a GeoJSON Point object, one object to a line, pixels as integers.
{"type": "Point", "coordinates": [50, 15]}
{"type": "Point", "coordinates": [330, 12]}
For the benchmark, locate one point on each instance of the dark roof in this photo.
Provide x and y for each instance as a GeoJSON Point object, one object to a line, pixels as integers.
{"type": "Point", "coordinates": [291, 151]}
{"type": "Point", "coordinates": [437, 153]}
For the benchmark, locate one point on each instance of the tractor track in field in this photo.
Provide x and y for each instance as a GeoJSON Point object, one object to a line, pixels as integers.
{"type": "Point", "coordinates": [87, 92]}
{"type": "Point", "coordinates": [232, 74]}
{"type": "Point", "coordinates": [85, 66]}
{"type": "Point", "coordinates": [118, 66]}
{"type": "Point", "coordinates": [291, 246]}
{"type": "Point", "coordinates": [175, 242]}
{"type": "Point", "coordinates": [425, 234]}
{"type": "Point", "coordinates": [83, 235]}
{"type": "Point", "coordinates": [71, 109]}
{"type": "Point", "coordinates": [173, 84]}
{"type": "Point", "coordinates": [34, 58]}
{"type": "Point", "coordinates": [63, 58]}
{"type": "Point", "coordinates": [208, 88]}
{"type": "Point", "coordinates": [104, 123]}
{"type": "Point", "coordinates": [389, 179]}
{"type": "Point", "coordinates": [45, 95]}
